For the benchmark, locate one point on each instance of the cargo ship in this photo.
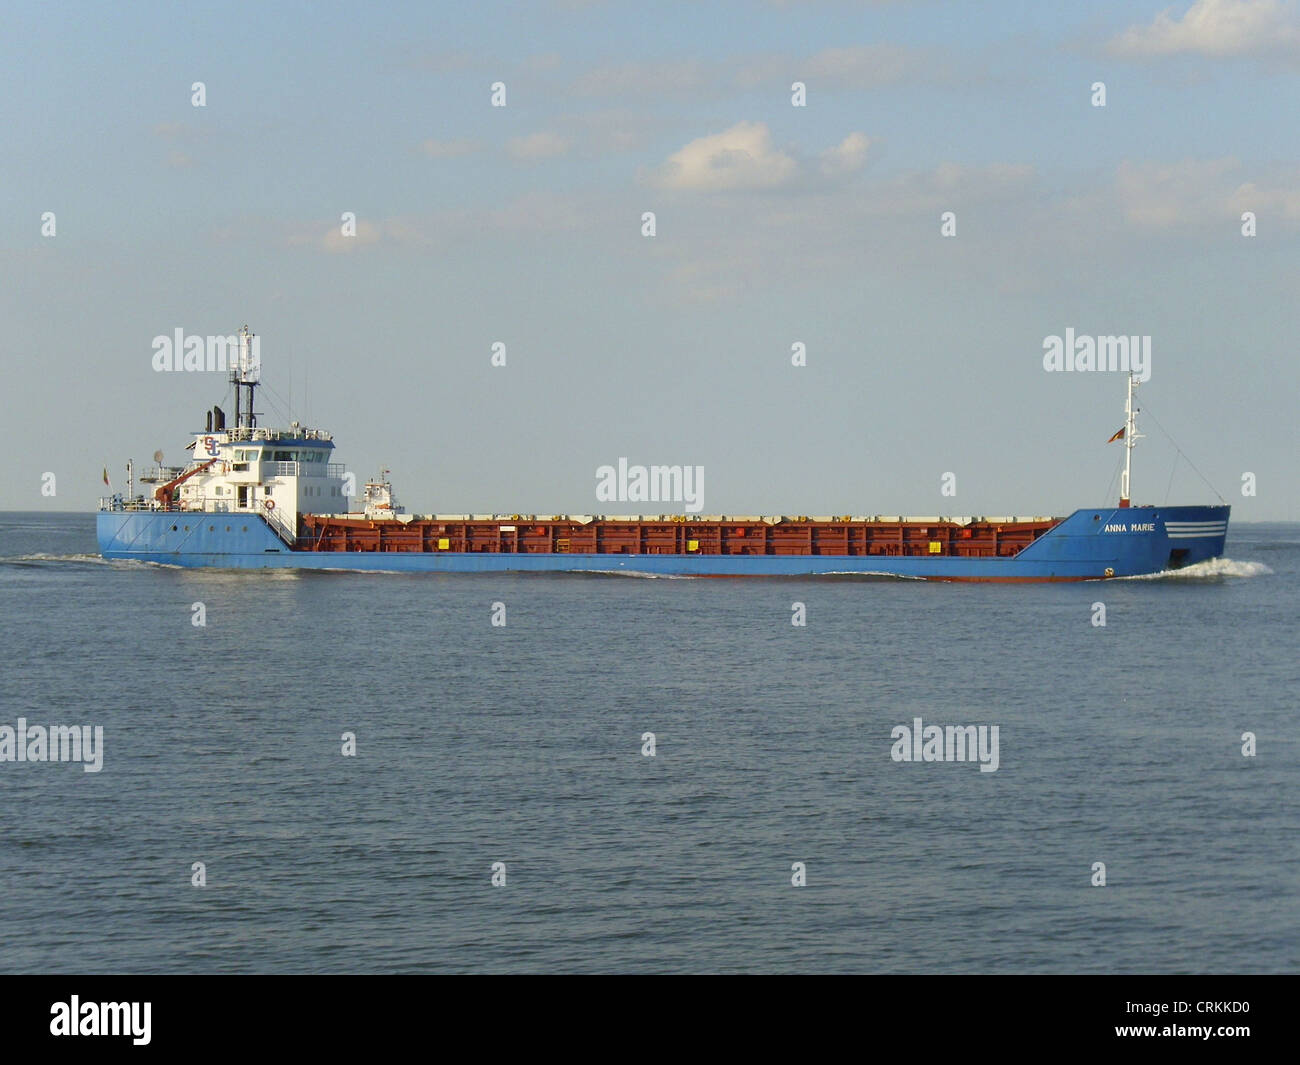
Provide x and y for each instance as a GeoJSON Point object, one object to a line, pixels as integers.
{"type": "Point", "coordinates": [255, 497]}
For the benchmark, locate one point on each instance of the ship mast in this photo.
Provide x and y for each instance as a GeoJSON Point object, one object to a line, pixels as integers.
{"type": "Point", "coordinates": [245, 373]}
{"type": "Point", "coordinates": [1131, 437]}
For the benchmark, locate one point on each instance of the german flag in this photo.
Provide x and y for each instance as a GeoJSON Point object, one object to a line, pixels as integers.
{"type": "Point", "coordinates": [106, 477]}
{"type": "Point", "coordinates": [1117, 436]}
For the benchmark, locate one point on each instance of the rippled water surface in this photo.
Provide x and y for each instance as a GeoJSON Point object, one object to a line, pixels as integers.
{"type": "Point", "coordinates": [477, 744]}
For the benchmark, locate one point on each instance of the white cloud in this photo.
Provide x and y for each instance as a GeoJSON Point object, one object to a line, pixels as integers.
{"type": "Point", "coordinates": [1278, 196]}
{"type": "Point", "coordinates": [741, 157]}
{"type": "Point", "coordinates": [1218, 28]}
{"type": "Point", "coordinates": [846, 157]}
{"type": "Point", "coordinates": [1194, 193]}
{"type": "Point", "coordinates": [744, 158]}
{"type": "Point", "coordinates": [540, 145]}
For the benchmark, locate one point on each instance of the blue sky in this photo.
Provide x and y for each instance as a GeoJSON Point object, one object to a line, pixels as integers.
{"type": "Point", "coordinates": [775, 224]}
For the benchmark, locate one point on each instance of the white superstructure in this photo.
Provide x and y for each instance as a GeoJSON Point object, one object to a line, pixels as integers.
{"type": "Point", "coordinates": [278, 473]}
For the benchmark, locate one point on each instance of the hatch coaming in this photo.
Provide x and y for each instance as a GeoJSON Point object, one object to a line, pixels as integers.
{"type": "Point", "coordinates": [845, 537]}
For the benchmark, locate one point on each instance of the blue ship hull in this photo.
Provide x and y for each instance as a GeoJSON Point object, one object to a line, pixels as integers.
{"type": "Point", "coordinates": [1088, 545]}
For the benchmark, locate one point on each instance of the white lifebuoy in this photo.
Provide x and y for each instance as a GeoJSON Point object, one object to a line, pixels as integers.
{"type": "Point", "coordinates": [269, 504]}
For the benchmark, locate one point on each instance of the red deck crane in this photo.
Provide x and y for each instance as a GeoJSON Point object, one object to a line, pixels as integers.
{"type": "Point", "coordinates": [166, 493]}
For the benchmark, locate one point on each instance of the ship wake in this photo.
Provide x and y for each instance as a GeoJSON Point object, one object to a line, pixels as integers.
{"type": "Point", "coordinates": [40, 559]}
{"type": "Point", "coordinates": [1210, 569]}
{"type": "Point", "coordinates": [630, 573]}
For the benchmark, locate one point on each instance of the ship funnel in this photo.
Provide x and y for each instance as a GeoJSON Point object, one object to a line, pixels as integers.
{"type": "Point", "coordinates": [208, 427]}
{"type": "Point", "coordinates": [218, 419]}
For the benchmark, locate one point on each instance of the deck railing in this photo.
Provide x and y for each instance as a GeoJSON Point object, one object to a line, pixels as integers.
{"type": "Point", "coordinates": [138, 503]}
{"type": "Point", "coordinates": [280, 526]}
{"type": "Point", "coordinates": [260, 433]}
{"type": "Point", "coordinates": [303, 469]}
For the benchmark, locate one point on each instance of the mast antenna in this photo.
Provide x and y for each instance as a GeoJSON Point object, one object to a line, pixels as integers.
{"type": "Point", "coordinates": [1131, 437]}
{"type": "Point", "coordinates": [246, 373]}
